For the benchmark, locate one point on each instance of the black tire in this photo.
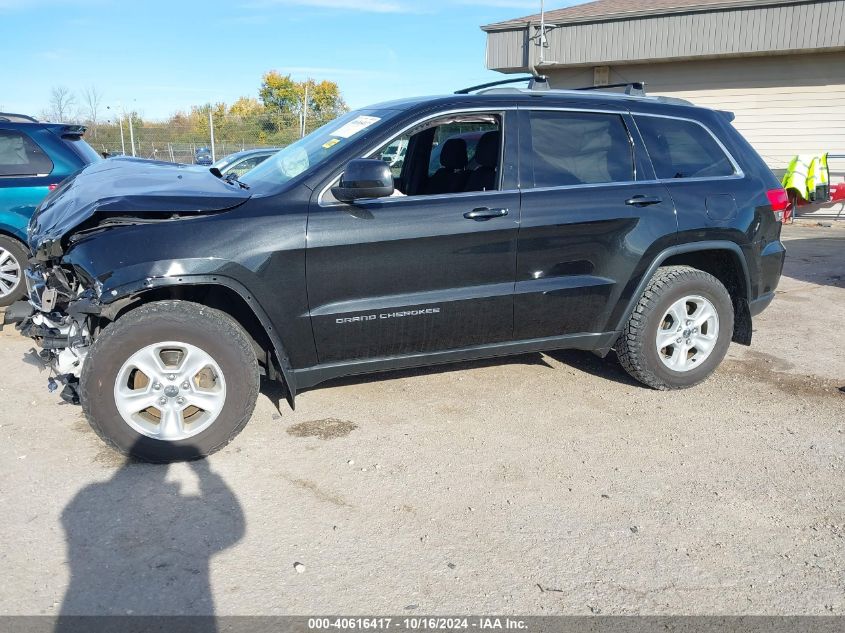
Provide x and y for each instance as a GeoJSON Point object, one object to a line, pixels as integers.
{"type": "Point", "coordinates": [211, 330]}
{"type": "Point", "coordinates": [637, 346]}
{"type": "Point", "coordinates": [19, 254]}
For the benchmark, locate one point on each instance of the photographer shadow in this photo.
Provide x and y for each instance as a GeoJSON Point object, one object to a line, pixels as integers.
{"type": "Point", "coordinates": [138, 545]}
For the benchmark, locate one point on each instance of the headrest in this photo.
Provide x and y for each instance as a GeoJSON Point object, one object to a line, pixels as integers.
{"type": "Point", "coordinates": [487, 150]}
{"type": "Point", "coordinates": [454, 154]}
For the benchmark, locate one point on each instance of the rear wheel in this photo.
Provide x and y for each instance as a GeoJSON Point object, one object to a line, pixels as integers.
{"type": "Point", "coordinates": [13, 258]}
{"type": "Point", "coordinates": [170, 381]}
{"type": "Point", "coordinates": [680, 330]}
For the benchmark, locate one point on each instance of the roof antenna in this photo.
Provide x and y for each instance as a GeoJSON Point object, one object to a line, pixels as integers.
{"type": "Point", "coordinates": [543, 42]}
{"type": "Point", "coordinates": [542, 33]}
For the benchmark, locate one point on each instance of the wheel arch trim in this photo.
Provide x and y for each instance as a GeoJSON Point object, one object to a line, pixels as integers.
{"type": "Point", "coordinates": [683, 249]}
{"type": "Point", "coordinates": [115, 299]}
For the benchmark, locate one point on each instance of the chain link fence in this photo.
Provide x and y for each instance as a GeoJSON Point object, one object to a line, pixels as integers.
{"type": "Point", "coordinates": [181, 138]}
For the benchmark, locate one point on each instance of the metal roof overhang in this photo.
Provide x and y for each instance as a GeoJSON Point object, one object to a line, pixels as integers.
{"type": "Point", "coordinates": [774, 28]}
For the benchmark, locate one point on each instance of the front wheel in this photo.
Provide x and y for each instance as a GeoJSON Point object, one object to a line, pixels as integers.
{"type": "Point", "coordinates": [170, 381]}
{"type": "Point", "coordinates": [680, 330]}
{"type": "Point", "coordinates": [13, 259]}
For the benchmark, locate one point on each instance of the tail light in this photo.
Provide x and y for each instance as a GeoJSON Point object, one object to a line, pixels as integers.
{"type": "Point", "coordinates": [779, 201]}
{"type": "Point", "coordinates": [52, 187]}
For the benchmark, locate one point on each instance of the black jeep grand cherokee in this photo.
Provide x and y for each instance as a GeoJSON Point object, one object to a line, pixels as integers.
{"type": "Point", "coordinates": [518, 221]}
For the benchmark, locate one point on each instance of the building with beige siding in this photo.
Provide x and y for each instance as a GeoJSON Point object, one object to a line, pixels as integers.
{"type": "Point", "coordinates": [779, 65]}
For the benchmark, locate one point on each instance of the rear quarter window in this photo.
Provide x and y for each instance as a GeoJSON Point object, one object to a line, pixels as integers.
{"type": "Point", "coordinates": [79, 147]}
{"type": "Point", "coordinates": [682, 149]}
{"type": "Point", "coordinates": [21, 156]}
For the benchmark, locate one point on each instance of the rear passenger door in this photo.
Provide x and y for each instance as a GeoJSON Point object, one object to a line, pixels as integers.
{"type": "Point", "coordinates": [591, 210]}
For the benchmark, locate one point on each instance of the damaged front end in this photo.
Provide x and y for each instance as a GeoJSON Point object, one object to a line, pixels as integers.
{"type": "Point", "coordinates": [60, 317]}
{"type": "Point", "coordinates": [78, 239]}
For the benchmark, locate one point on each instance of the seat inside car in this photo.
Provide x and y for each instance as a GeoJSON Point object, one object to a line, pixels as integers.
{"type": "Point", "coordinates": [452, 175]}
{"type": "Point", "coordinates": [483, 177]}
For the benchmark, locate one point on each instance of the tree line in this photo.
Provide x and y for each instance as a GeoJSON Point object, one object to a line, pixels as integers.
{"type": "Point", "coordinates": [281, 112]}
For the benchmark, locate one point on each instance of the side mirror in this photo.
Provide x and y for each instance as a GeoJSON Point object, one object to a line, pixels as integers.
{"type": "Point", "coordinates": [364, 178]}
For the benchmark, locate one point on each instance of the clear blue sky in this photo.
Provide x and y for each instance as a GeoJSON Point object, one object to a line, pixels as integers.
{"type": "Point", "coordinates": [160, 56]}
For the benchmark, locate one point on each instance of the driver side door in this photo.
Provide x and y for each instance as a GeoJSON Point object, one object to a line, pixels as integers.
{"type": "Point", "coordinates": [420, 272]}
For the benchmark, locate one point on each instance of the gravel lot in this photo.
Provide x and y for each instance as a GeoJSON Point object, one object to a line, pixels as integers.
{"type": "Point", "coordinates": [541, 484]}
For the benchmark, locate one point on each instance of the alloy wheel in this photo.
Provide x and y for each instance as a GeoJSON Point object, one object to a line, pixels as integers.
{"type": "Point", "coordinates": [170, 391]}
{"type": "Point", "coordinates": [10, 273]}
{"type": "Point", "coordinates": [687, 333]}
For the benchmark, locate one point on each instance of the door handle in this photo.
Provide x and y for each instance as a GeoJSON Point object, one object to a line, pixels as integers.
{"type": "Point", "coordinates": [643, 201]}
{"type": "Point", "coordinates": [483, 213]}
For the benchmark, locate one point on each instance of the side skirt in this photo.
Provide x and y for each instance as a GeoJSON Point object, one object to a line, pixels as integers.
{"type": "Point", "coordinates": [310, 376]}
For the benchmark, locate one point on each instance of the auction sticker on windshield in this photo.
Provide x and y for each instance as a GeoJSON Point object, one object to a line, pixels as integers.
{"type": "Point", "coordinates": [355, 125]}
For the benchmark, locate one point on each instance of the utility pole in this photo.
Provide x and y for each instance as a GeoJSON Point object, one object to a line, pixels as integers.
{"type": "Point", "coordinates": [131, 134]}
{"type": "Point", "coordinates": [122, 142]}
{"type": "Point", "coordinates": [304, 112]}
{"type": "Point", "coordinates": [120, 115]}
{"type": "Point", "coordinates": [211, 128]}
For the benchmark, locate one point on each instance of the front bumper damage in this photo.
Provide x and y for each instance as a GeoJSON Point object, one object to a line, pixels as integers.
{"type": "Point", "coordinates": [59, 317]}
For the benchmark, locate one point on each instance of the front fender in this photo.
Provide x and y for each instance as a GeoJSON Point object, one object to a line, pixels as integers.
{"type": "Point", "coordinates": [17, 232]}
{"type": "Point", "coordinates": [115, 297]}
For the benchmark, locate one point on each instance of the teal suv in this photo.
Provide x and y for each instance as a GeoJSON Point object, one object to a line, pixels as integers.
{"type": "Point", "coordinates": [34, 158]}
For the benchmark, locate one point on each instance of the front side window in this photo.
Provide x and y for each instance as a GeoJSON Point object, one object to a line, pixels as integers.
{"type": "Point", "coordinates": [471, 133]}
{"type": "Point", "coordinates": [682, 149]}
{"type": "Point", "coordinates": [454, 154]}
{"type": "Point", "coordinates": [21, 156]}
{"type": "Point", "coordinates": [394, 155]}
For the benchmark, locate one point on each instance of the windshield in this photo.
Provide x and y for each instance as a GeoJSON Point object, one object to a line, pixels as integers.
{"type": "Point", "coordinates": [314, 149]}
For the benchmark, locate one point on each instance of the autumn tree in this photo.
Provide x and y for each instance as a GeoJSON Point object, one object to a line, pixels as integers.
{"type": "Point", "coordinates": [324, 99]}
{"type": "Point", "coordinates": [198, 119]}
{"type": "Point", "coordinates": [281, 94]}
{"type": "Point", "coordinates": [247, 107]}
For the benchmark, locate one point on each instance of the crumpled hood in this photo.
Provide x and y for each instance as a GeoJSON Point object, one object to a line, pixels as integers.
{"type": "Point", "coordinates": [130, 187]}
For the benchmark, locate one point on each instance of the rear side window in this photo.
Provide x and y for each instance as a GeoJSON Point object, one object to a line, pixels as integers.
{"type": "Point", "coordinates": [21, 156]}
{"type": "Point", "coordinates": [682, 149]}
{"type": "Point", "coordinates": [87, 153]}
{"type": "Point", "coordinates": [576, 148]}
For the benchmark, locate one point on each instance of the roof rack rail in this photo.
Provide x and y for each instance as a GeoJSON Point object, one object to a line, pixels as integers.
{"type": "Point", "coordinates": [535, 82]}
{"type": "Point", "coordinates": [632, 88]}
{"type": "Point", "coordinates": [11, 117]}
